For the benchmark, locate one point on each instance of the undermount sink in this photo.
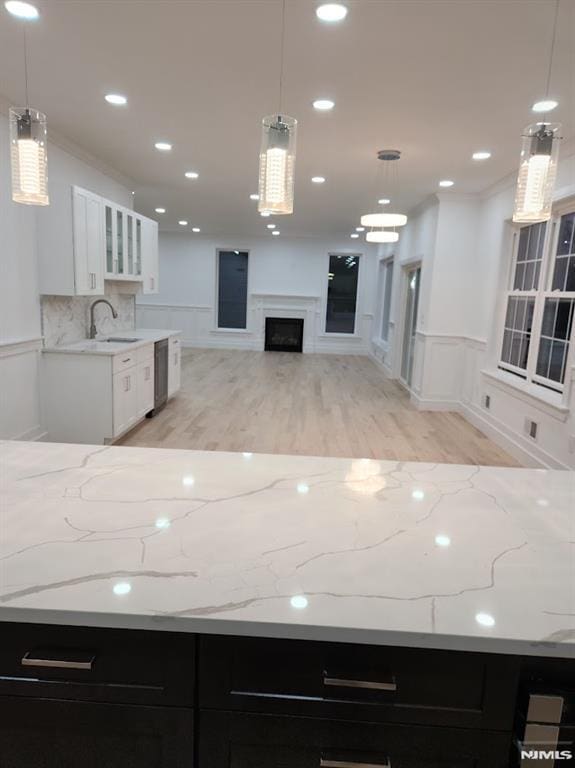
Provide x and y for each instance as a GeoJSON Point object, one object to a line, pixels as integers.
{"type": "Point", "coordinates": [119, 340]}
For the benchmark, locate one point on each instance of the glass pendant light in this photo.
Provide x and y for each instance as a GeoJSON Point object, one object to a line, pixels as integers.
{"type": "Point", "coordinates": [28, 151]}
{"type": "Point", "coordinates": [28, 157]}
{"type": "Point", "coordinates": [538, 161]}
{"type": "Point", "coordinates": [378, 221]}
{"type": "Point", "coordinates": [277, 153]}
{"type": "Point", "coordinates": [537, 173]}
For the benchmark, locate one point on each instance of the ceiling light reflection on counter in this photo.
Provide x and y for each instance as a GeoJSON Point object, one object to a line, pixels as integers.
{"type": "Point", "coordinates": [188, 480]}
{"type": "Point", "coordinates": [162, 523]}
{"type": "Point", "coordinates": [485, 619]}
{"type": "Point", "coordinates": [299, 602]}
{"type": "Point", "coordinates": [122, 588]}
{"type": "Point", "coordinates": [442, 541]}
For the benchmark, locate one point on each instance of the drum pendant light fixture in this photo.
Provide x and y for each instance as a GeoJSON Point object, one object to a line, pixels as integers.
{"type": "Point", "coordinates": [538, 160]}
{"type": "Point", "coordinates": [378, 221]}
{"type": "Point", "coordinates": [28, 150]}
{"type": "Point", "coordinates": [277, 153]}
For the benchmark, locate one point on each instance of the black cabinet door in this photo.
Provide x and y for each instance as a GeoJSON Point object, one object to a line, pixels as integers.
{"type": "Point", "coordinates": [233, 740]}
{"type": "Point", "coordinates": [43, 733]}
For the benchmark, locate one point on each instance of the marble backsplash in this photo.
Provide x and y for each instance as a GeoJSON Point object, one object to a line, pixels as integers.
{"type": "Point", "coordinates": [66, 319]}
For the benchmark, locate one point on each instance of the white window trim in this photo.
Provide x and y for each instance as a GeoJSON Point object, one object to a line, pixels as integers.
{"type": "Point", "coordinates": [386, 262]}
{"type": "Point", "coordinates": [528, 379]}
{"type": "Point", "coordinates": [216, 328]}
{"type": "Point", "coordinates": [359, 293]}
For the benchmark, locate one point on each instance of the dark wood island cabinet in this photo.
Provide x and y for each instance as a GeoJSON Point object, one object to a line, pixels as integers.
{"type": "Point", "coordinates": [93, 698]}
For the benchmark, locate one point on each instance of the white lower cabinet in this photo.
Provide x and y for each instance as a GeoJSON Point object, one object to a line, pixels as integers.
{"type": "Point", "coordinates": [125, 400]}
{"type": "Point", "coordinates": [89, 398]}
{"type": "Point", "coordinates": [174, 366]}
{"type": "Point", "coordinates": [145, 387]}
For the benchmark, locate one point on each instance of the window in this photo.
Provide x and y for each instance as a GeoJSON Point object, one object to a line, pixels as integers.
{"type": "Point", "coordinates": [232, 289]}
{"type": "Point", "coordinates": [342, 294]}
{"type": "Point", "coordinates": [387, 286]}
{"type": "Point", "coordinates": [540, 305]}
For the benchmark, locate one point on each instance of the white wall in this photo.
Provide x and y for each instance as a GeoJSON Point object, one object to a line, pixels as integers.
{"type": "Point", "coordinates": [20, 315]}
{"type": "Point", "coordinates": [285, 275]}
{"type": "Point", "coordinates": [464, 245]}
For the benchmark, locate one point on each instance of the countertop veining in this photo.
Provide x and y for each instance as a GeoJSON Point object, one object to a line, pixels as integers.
{"type": "Point", "coordinates": [424, 555]}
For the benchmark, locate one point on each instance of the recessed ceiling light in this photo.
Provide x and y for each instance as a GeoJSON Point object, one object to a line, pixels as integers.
{"type": "Point", "coordinates": [21, 10]}
{"type": "Point", "coordinates": [163, 146]}
{"type": "Point", "coordinates": [360, 229]}
{"type": "Point", "coordinates": [331, 12]}
{"type": "Point", "coordinates": [116, 99]}
{"type": "Point", "coordinates": [191, 175]}
{"type": "Point", "coordinates": [483, 155]}
{"type": "Point", "coordinates": [183, 223]}
{"type": "Point", "coordinates": [254, 197]}
{"type": "Point", "coordinates": [384, 201]}
{"type": "Point", "coordinates": [354, 235]}
{"type": "Point", "coordinates": [271, 226]}
{"type": "Point", "coordinates": [323, 105]}
{"type": "Point", "coordinates": [276, 232]}
{"type": "Point", "coordinates": [265, 214]}
{"type": "Point", "coordinates": [446, 183]}
{"type": "Point", "coordinates": [545, 106]}
{"type": "Point", "coordinates": [160, 210]}
{"type": "Point", "coordinates": [318, 179]}
{"type": "Point", "coordinates": [195, 229]}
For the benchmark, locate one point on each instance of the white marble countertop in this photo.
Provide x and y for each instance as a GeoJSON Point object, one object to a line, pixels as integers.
{"type": "Point", "coordinates": [433, 556]}
{"type": "Point", "coordinates": [99, 345]}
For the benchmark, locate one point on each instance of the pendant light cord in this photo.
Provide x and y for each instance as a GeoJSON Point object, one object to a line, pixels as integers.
{"type": "Point", "coordinates": [282, 46]}
{"type": "Point", "coordinates": [551, 55]}
{"type": "Point", "coordinates": [26, 67]}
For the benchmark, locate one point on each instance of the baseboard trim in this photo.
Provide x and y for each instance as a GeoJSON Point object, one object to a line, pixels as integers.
{"type": "Point", "coordinates": [511, 442]}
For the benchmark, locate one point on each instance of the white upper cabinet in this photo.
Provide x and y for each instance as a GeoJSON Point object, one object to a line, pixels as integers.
{"type": "Point", "coordinates": [150, 256]}
{"type": "Point", "coordinates": [106, 242]}
{"type": "Point", "coordinates": [88, 237]}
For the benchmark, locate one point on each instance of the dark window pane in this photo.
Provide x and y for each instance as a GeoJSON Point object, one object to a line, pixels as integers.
{"type": "Point", "coordinates": [515, 349]}
{"type": "Point", "coordinates": [523, 241]}
{"type": "Point", "coordinates": [520, 316]}
{"type": "Point", "coordinates": [341, 294]}
{"type": "Point", "coordinates": [524, 350]}
{"type": "Point", "coordinates": [570, 282]}
{"type": "Point", "coordinates": [510, 315]}
{"type": "Point", "coordinates": [558, 352]}
{"type": "Point", "coordinates": [543, 357]}
{"type": "Point", "coordinates": [537, 274]}
{"type": "Point", "coordinates": [519, 272]}
{"type": "Point", "coordinates": [506, 348]}
{"type": "Point", "coordinates": [565, 243]}
{"type": "Point", "coordinates": [542, 228]}
{"type": "Point", "coordinates": [232, 289]}
{"type": "Point", "coordinates": [529, 272]}
{"type": "Point", "coordinates": [533, 246]}
{"type": "Point", "coordinates": [528, 324]}
{"type": "Point", "coordinates": [563, 320]}
{"type": "Point", "coordinates": [549, 317]}
{"type": "Point", "coordinates": [559, 274]}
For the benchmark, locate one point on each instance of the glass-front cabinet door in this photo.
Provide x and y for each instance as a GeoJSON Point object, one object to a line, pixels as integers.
{"type": "Point", "coordinates": [138, 270]}
{"type": "Point", "coordinates": [109, 224]}
{"type": "Point", "coordinates": [120, 270]}
{"type": "Point", "coordinates": [130, 243]}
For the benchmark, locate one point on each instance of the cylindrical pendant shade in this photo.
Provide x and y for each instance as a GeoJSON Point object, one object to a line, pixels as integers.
{"type": "Point", "coordinates": [277, 164]}
{"type": "Point", "coordinates": [381, 236]}
{"type": "Point", "coordinates": [537, 173]}
{"type": "Point", "coordinates": [383, 220]}
{"type": "Point", "coordinates": [28, 137]}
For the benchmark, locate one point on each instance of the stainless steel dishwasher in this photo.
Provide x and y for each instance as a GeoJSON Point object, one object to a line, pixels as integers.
{"type": "Point", "coordinates": [161, 350]}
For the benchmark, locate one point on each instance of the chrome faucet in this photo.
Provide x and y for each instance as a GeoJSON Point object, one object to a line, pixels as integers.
{"type": "Point", "coordinates": [92, 322]}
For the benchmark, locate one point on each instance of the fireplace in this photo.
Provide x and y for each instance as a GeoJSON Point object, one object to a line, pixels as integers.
{"type": "Point", "coordinates": [284, 334]}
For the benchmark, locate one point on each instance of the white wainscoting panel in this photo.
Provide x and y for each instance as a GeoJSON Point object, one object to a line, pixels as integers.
{"type": "Point", "coordinates": [20, 416]}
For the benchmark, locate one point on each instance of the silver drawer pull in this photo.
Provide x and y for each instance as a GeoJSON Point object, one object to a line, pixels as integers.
{"type": "Point", "coordinates": [372, 685]}
{"type": "Point", "coordinates": [31, 660]}
{"type": "Point", "coordinates": [352, 764]}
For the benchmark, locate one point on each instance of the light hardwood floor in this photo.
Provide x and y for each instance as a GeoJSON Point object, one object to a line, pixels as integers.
{"type": "Point", "coordinates": [317, 405]}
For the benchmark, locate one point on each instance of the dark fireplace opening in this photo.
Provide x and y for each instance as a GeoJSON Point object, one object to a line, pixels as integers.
{"type": "Point", "coordinates": [284, 334]}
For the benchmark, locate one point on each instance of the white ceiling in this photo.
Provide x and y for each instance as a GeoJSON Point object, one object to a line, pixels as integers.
{"type": "Point", "coordinates": [437, 79]}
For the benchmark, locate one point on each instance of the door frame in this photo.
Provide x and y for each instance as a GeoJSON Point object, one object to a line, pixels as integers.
{"type": "Point", "coordinates": [406, 268]}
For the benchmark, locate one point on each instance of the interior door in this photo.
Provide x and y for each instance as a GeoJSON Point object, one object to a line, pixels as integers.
{"type": "Point", "coordinates": [410, 324]}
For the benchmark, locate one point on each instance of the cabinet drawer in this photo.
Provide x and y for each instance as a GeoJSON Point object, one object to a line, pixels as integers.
{"type": "Point", "coordinates": [97, 664]}
{"type": "Point", "coordinates": [337, 680]}
{"type": "Point", "coordinates": [145, 353]}
{"type": "Point", "coordinates": [123, 361]}
{"type": "Point", "coordinates": [46, 733]}
{"type": "Point", "coordinates": [264, 741]}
